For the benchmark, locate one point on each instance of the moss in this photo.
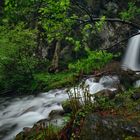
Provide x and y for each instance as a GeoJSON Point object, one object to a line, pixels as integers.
{"type": "Point", "coordinates": [58, 80]}
{"type": "Point", "coordinates": [72, 105]}
{"type": "Point", "coordinates": [122, 106]}
{"type": "Point", "coordinates": [40, 133]}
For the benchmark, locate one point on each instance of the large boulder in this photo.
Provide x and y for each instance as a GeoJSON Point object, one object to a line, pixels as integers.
{"type": "Point", "coordinates": [109, 81]}
{"type": "Point", "coordinates": [106, 93]}
{"type": "Point", "coordinates": [71, 105]}
{"type": "Point", "coordinates": [109, 127]}
{"type": "Point", "coordinates": [55, 113]}
{"type": "Point", "coordinates": [136, 96]}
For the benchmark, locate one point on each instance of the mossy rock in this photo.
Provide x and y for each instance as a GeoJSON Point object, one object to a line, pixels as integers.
{"type": "Point", "coordinates": [71, 105]}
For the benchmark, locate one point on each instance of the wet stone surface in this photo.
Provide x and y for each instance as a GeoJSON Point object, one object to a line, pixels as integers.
{"type": "Point", "coordinates": [99, 127]}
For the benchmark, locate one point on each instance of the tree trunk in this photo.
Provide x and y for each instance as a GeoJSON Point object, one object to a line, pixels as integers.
{"type": "Point", "coordinates": [55, 60]}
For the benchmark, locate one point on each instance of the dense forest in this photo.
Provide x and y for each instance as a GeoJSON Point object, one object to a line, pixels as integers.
{"type": "Point", "coordinates": [51, 44]}
{"type": "Point", "coordinates": [44, 42]}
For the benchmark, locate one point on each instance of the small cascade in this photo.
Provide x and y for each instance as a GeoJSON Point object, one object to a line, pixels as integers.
{"type": "Point", "coordinates": [131, 58]}
{"type": "Point", "coordinates": [17, 113]}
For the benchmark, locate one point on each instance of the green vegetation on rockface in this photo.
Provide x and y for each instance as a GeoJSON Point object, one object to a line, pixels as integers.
{"type": "Point", "coordinates": [41, 37]}
{"type": "Point", "coordinates": [47, 44]}
{"type": "Point", "coordinates": [104, 118]}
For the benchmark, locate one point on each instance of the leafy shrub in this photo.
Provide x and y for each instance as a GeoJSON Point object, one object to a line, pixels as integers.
{"type": "Point", "coordinates": [17, 59]}
{"type": "Point", "coordinates": [131, 12]}
{"type": "Point", "coordinates": [57, 80]}
{"type": "Point", "coordinates": [95, 60]}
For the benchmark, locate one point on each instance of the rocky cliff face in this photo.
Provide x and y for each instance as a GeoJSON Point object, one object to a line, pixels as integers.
{"type": "Point", "coordinates": [111, 34]}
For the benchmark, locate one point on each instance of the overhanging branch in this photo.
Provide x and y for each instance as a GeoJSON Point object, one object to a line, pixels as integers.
{"type": "Point", "coordinates": [112, 20]}
{"type": "Point", "coordinates": [124, 40]}
{"type": "Point", "coordinates": [119, 21]}
{"type": "Point", "coordinates": [92, 18]}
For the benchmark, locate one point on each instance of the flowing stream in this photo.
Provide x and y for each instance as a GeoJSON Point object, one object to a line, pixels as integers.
{"type": "Point", "coordinates": [17, 113]}
{"type": "Point", "coordinates": [131, 58]}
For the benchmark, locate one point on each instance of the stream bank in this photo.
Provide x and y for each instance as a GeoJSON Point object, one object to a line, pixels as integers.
{"type": "Point", "coordinates": [113, 114]}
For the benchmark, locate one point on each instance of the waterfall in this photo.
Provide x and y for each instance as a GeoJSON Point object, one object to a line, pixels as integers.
{"type": "Point", "coordinates": [131, 58]}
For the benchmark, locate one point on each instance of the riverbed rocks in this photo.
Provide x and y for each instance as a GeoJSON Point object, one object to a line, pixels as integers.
{"type": "Point", "coordinates": [125, 78]}
{"type": "Point", "coordinates": [109, 127]}
{"type": "Point", "coordinates": [71, 105]}
{"type": "Point", "coordinates": [102, 122]}
{"type": "Point", "coordinates": [26, 129]}
{"type": "Point", "coordinates": [110, 81]}
{"type": "Point", "coordinates": [56, 119]}
{"type": "Point", "coordinates": [55, 113]}
{"type": "Point", "coordinates": [136, 96]}
{"type": "Point", "coordinates": [67, 106]}
{"type": "Point", "coordinates": [106, 93]}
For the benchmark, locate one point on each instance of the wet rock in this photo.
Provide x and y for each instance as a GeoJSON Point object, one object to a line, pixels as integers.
{"type": "Point", "coordinates": [129, 78]}
{"type": "Point", "coordinates": [106, 93]}
{"type": "Point", "coordinates": [136, 96]}
{"type": "Point", "coordinates": [67, 106]}
{"type": "Point", "coordinates": [26, 129]}
{"type": "Point", "coordinates": [41, 123]}
{"type": "Point", "coordinates": [20, 136]}
{"type": "Point", "coordinates": [47, 105]}
{"type": "Point", "coordinates": [109, 81]}
{"type": "Point", "coordinates": [55, 113]}
{"type": "Point", "coordinates": [90, 80]}
{"type": "Point", "coordinates": [98, 127]}
{"type": "Point", "coordinates": [56, 94]}
{"type": "Point", "coordinates": [30, 109]}
{"type": "Point", "coordinates": [112, 67]}
{"type": "Point", "coordinates": [71, 105]}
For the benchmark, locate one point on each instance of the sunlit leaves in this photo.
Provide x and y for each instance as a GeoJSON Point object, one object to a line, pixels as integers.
{"type": "Point", "coordinates": [95, 60]}
{"type": "Point", "coordinates": [74, 42]}
{"type": "Point", "coordinates": [99, 25]}
{"type": "Point", "coordinates": [56, 21]}
{"type": "Point", "coordinates": [131, 12]}
{"type": "Point", "coordinates": [15, 41]}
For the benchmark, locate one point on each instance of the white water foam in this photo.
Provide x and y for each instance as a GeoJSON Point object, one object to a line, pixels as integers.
{"type": "Point", "coordinates": [23, 112]}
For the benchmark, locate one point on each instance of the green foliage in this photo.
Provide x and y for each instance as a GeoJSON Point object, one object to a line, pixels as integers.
{"type": "Point", "coordinates": [87, 31]}
{"type": "Point", "coordinates": [129, 138]}
{"type": "Point", "coordinates": [131, 12]}
{"type": "Point", "coordinates": [95, 60]}
{"type": "Point", "coordinates": [16, 52]}
{"type": "Point", "coordinates": [29, 26]}
{"type": "Point", "coordinates": [67, 118]}
{"type": "Point", "coordinates": [77, 101]}
{"type": "Point", "coordinates": [52, 132]}
{"type": "Point", "coordinates": [19, 10]}
{"type": "Point", "coordinates": [99, 25]}
{"type": "Point", "coordinates": [104, 103]}
{"type": "Point", "coordinates": [57, 23]}
{"type": "Point", "coordinates": [74, 42]}
{"type": "Point", "coordinates": [58, 80]}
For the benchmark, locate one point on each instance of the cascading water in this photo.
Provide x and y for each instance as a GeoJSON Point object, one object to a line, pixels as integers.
{"type": "Point", "coordinates": [20, 112]}
{"type": "Point", "coordinates": [131, 58]}
{"type": "Point", "coordinates": [17, 113]}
